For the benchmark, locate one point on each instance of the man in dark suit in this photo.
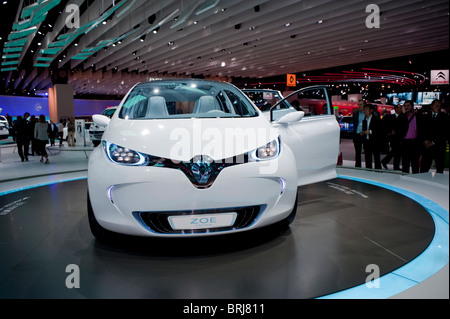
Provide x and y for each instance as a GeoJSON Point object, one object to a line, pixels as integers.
{"type": "Point", "coordinates": [392, 132]}
{"type": "Point", "coordinates": [358, 117]}
{"type": "Point", "coordinates": [371, 134]}
{"type": "Point", "coordinates": [410, 124]}
{"type": "Point", "coordinates": [435, 136]}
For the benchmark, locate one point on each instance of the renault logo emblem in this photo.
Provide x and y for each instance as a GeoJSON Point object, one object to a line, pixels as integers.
{"type": "Point", "coordinates": [201, 168]}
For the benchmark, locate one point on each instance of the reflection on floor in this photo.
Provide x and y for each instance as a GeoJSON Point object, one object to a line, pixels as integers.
{"type": "Point", "coordinates": [335, 232]}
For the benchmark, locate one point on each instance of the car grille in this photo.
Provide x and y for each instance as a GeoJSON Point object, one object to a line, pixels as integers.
{"type": "Point", "coordinates": [158, 221]}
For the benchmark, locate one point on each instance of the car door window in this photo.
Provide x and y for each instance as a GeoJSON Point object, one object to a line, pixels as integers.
{"type": "Point", "coordinates": [314, 102]}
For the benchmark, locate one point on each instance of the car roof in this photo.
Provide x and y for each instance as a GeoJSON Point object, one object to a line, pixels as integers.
{"type": "Point", "coordinates": [181, 80]}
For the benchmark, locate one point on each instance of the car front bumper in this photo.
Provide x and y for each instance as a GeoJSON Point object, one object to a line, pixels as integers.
{"type": "Point", "coordinates": [147, 201]}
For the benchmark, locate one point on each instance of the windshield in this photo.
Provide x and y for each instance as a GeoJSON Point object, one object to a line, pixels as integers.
{"type": "Point", "coordinates": [185, 99]}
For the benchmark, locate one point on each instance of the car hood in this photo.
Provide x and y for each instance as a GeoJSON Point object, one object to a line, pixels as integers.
{"type": "Point", "coordinates": [182, 139]}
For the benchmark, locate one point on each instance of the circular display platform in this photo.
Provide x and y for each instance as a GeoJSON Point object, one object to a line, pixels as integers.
{"type": "Point", "coordinates": [344, 231]}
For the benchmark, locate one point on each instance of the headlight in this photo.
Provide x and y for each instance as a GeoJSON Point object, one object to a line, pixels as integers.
{"type": "Point", "coordinates": [267, 152]}
{"type": "Point", "coordinates": [124, 156]}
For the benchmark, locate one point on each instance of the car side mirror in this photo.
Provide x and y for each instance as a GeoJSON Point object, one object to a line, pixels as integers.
{"type": "Point", "coordinates": [291, 117]}
{"type": "Point", "coordinates": [100, 120]}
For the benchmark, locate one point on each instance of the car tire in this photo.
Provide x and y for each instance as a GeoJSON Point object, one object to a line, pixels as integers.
{"type": "Point", "coordinates": [97, 230]}
{"type": "Point", "coordinates": [96, 143]}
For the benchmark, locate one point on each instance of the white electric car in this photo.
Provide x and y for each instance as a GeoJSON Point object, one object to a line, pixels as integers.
{"type": "Point", "coordinates": [195, 158]}
{"type": "Point", "coordinates": [4, 127]}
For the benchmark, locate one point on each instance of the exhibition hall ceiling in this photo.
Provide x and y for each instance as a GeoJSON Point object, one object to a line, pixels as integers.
{"type": "Point", "coordinates": [103, 47]}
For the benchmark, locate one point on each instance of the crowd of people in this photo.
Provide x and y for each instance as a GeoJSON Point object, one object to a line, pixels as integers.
{"type": "Point", "coordinates": [32, 134]}
{"type": "Point", "coordinates": [413, 138]}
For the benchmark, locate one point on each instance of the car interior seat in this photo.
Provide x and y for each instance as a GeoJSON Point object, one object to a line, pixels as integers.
{"type": "Point", "coordinates": [205, 104]}
{"type": "Point", "coordinates": [156, 107]}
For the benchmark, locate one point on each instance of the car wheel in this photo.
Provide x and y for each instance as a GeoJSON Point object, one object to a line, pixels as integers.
{"type": "Point", "coordinates": [97, 230]}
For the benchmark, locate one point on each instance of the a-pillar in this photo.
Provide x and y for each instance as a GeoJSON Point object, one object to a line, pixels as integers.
{"type": "Point", "coordinates": [60, 102]}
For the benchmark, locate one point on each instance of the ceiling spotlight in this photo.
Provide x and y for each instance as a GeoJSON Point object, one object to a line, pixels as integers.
{"type": "Point", "coordinates": [320, 22]}
{"type": "Point", "coordinates": [142, 38]}
{"type": "Point", "coordinates": [170, 43]}
{"type": "Point", "coordinates": [257, 8]}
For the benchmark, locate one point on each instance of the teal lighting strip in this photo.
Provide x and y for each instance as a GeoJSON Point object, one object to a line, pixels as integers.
{"type": "Point", "coordinates": [23, 33]}
{"type": "Point", "coordinates": [11, 56]}
{"type": "Point", "coordinates": [41, 58]}
{"type": "Point", "coordinates": [42, 65]}
{"type": "Point", "coordinates": [28, 11]}
{"type": "Point", "coordinates": [31, 16]}
{"type": "Point", "coordinates": [15, 190]}
{"type": "Point", "coordinates": [87, 52]}
{"type": "Point", "coordinates": [50, 51]}
{"type": "Point", "coordinates": [10, 63]}
{"type": "Point", "coordinates": [8, 69]}
{"type": "Point", "coordinates": [67, 38]}
{"type": "Point", "coordinates": [16, 43]}
{"type": "Point", "coordinates": [6, 50]}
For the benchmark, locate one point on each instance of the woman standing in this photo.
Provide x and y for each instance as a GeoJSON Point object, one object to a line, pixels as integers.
{"type": "Point", "coordinates": [41, 130]}
{"type": "Point", "coordinates": [71, 132]}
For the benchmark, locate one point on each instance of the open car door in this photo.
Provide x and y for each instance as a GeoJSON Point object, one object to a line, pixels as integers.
{"type": "Point", "coordinates": [310, 129]}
